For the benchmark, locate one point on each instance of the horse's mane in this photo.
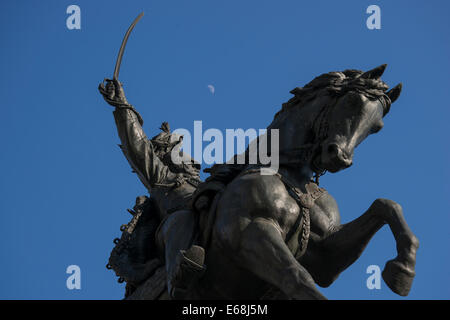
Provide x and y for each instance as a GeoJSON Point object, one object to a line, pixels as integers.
{"type": "Point", "coordinates": [337, 84]}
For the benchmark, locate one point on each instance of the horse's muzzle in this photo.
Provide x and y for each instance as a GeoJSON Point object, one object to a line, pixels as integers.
{"type": "Point", "coordinates": [336, 158]}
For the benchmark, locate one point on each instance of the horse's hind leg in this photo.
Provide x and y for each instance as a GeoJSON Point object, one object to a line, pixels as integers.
{"type": "Point", "coordinates": [263, 252]}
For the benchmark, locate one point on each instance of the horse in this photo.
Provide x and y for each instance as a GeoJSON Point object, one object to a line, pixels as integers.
{"type": "Point", "coordinates": [252, 253]}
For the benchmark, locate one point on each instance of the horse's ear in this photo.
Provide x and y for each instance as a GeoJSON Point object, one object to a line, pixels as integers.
{"type": "Point", "coordinates": [375, 73]}
{"type": "Point", "coordinates": [394, 93]}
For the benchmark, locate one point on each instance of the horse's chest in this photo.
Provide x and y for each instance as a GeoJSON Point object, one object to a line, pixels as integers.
{"type": "Point", "coordinates": [321, 222]}
{"type": "Point", "coordinates": [324, 216]}
{"type": "Point", "coordinates": [299, 232]}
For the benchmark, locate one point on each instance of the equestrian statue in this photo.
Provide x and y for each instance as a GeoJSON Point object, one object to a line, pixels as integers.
{"type": "Point", "coordinates": [241, 234]}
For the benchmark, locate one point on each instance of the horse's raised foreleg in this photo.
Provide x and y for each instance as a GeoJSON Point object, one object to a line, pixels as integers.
{"type": "Point", "coordinates": [263, 252]}
{"type": "Point", "coordinates": [342, 247]}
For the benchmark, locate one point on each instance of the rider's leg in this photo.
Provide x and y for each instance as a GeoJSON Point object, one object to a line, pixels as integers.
{"type": "Point", "coordinates": [184, 262]}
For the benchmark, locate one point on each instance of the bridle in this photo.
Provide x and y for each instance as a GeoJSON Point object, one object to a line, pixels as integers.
{"type": "Point", "coordinates": [305, 153]}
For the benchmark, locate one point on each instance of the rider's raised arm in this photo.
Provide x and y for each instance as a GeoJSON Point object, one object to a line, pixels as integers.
{"type": "Point", "coordinates": [138, 149]}
{"type": "Point", "coordinates": [135, 145]}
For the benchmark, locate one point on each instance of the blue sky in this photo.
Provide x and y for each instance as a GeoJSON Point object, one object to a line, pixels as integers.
{"type": "Point", "coordinates": [65, 185]}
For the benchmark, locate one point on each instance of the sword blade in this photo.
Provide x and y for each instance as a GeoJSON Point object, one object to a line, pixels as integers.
{"type": "Point", "coordinates": [122, 47]}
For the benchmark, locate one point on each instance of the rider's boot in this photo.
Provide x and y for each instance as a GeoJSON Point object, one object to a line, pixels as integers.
{"type": "Point", "coordinates": [188, 269]}
{"type": "Point", "coordinates": [184, 261]}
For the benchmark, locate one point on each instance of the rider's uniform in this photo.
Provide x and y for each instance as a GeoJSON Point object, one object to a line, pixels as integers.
{"type": "Point", "coordinates": [170, 185]}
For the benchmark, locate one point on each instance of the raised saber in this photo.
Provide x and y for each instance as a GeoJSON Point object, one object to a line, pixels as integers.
{"type": "Point", "coordinates": [122, 47]}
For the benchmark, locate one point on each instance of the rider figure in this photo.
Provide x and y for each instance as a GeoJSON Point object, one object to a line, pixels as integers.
{"type": "Point", "coordinates": [171, 185]}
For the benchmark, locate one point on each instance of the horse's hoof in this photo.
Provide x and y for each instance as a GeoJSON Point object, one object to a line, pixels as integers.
{"type": "Point", "coordinates": [398, 277]}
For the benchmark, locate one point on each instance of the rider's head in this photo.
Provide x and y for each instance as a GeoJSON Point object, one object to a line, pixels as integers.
{"type": "Point", "coordinates": [164, 143]}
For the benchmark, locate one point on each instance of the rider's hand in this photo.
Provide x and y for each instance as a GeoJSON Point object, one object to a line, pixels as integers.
{"type": "Point", "coordinates": [113, 93]}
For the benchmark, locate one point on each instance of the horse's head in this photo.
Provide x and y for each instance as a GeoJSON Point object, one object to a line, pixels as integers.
{"type": "Point", "coordinates": [357, 112]}
{"type": "Point", "coordinates": [343, 108]}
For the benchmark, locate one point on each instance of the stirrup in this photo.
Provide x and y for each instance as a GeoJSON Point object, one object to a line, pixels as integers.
{"type": "Point", "coordinates": [189, 268]}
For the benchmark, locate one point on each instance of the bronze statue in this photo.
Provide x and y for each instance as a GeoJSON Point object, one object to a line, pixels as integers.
{"type": "Point", "coordinates": [243, 235]}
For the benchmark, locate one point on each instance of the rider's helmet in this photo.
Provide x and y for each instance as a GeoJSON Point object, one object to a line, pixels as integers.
{"type": "Point", "coordinates": [166, 142]}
